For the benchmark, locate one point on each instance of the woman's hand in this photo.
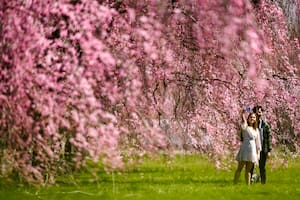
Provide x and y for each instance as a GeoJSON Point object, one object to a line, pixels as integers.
{"type": "Point", "coordinates": [243, 112]}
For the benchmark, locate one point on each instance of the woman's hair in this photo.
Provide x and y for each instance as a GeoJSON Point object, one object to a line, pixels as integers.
{"type": "Point", "coordinates": [255, 125]}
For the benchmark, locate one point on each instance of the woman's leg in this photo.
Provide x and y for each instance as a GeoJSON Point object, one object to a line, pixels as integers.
{"type": "Point", "coordinates": [249, 165]}
{"type": "Point", "coordinates": [238, 171]}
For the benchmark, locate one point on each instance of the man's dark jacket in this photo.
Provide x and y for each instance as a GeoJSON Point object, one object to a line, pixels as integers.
{"type": "Point", "coordinates": [267, 138]}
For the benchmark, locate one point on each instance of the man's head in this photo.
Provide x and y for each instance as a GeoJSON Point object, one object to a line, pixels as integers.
{"type": "Point", "coordinates": [258, 110]}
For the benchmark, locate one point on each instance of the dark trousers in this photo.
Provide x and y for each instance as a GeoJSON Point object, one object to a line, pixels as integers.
{"type": "Point", "coordinates": [262, 167]}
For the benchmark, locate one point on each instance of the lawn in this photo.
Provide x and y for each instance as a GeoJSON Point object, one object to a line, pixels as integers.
{"type": "Point", "coordinates": [184, 177]}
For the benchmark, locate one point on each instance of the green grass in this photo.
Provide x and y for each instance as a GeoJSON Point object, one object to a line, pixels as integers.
{"type": "Point", "coordinates": [184, 177]}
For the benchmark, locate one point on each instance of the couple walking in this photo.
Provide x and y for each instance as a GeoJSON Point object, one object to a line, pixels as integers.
{"type": "Point", "coordinates": [255, 147]}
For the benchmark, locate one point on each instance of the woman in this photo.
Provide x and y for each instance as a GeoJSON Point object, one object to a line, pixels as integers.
{"type": "Point", "coordinates": [250, 149]}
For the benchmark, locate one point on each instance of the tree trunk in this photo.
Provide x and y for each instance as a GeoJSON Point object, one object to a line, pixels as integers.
{"type": "Point", "coordinates": [291, 9]}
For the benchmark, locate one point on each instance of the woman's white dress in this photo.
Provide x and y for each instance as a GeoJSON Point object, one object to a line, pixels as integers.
{"type": "Point", "coordinates": [250, 145]}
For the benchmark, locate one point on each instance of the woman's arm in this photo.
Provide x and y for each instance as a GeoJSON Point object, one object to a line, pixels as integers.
{"type": "Point", "coordinates": [244, 120]}
{"type": "Point", "coordinates": [258, 142]}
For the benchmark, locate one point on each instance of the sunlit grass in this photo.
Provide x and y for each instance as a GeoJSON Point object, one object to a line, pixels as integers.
{"type": "Point", "coordinates": [184, 177]}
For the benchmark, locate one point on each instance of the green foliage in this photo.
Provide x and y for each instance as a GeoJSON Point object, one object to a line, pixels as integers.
{"type": "Point", "coordinates": [181, 177]}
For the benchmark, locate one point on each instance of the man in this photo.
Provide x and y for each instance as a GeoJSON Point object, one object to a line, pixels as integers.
{"type": "Point", "coordinates": [266, 142]}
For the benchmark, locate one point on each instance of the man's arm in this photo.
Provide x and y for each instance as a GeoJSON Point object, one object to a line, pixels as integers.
{"type": "Point", "coordinates": [269, 137]}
